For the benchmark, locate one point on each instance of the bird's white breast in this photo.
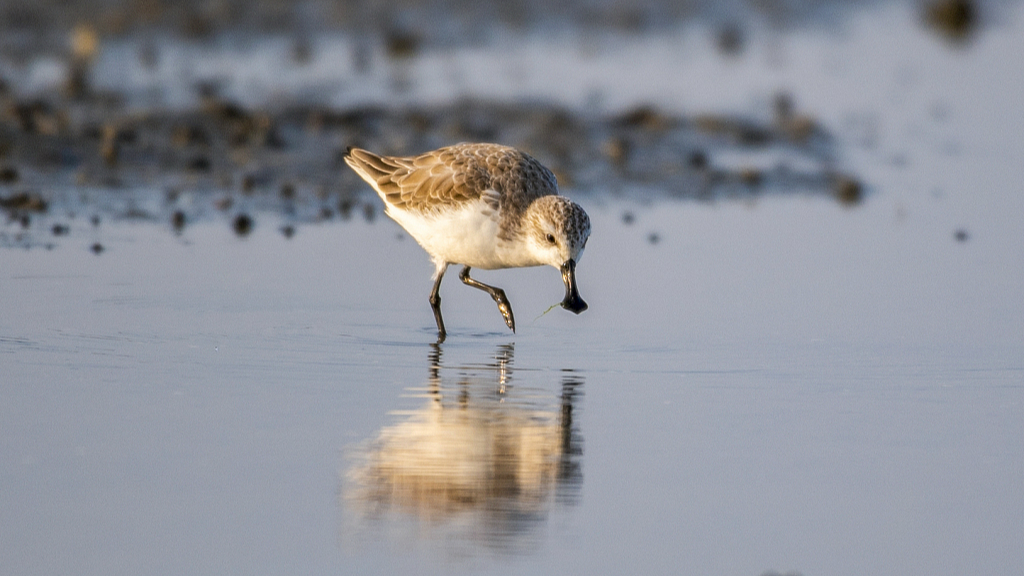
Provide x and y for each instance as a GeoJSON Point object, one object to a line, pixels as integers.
{"type": "Point", "coordinates": [466, 235]}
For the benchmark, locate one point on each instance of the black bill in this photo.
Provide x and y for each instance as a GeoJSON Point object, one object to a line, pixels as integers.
{"type": "Point", "coordinates": [572, 301]}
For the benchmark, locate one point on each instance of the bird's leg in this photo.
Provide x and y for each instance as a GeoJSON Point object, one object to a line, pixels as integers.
{"type": "Point", "coordinates": [435, 302]}
{"type": "Point", "coordinates": [497, 293]}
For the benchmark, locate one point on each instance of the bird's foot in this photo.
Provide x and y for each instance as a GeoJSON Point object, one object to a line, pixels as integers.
{"type": "Point", "coordinates": [506, 310]}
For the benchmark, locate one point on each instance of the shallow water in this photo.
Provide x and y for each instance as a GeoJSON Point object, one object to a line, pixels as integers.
{"type": "Point", "coordinates": [779, 384]}
{"type": "Point", "coordinates": [747, 394]}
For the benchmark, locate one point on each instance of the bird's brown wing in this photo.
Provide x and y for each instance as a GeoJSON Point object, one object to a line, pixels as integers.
{"type": "Point", "coordinates": [448, 177]}
{"type": "Point", "coordinates": [437, 180]}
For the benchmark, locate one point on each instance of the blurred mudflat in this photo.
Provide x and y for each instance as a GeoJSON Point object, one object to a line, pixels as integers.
{"type": "Point", "coordinates": [802, 353]}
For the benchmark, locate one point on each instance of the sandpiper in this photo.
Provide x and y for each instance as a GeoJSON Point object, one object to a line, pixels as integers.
{"type": "Point", "coordinates": [483, 206]}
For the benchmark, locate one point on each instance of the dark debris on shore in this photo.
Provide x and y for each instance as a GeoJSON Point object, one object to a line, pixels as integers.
{"type": "Point", "coordinates": [182, 166]}
{"type": "Point", "coordinates": [406, 26]}
{"type": "Point", "coordinates": [92, 155]}
{"type": "Point", "coordinates": [80, 152]}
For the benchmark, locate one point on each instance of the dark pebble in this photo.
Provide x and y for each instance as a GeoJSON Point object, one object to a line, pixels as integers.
{"type": "Point", "coordinates": [646, 117]}
{"type": "Point", "coordinates": [402, 44]}
{"type": "Point", "coordinates": [242, 224]}
{"type": "Point", "coordinates": [961, 235]}
{"type": "Point", "coordinates": [178, 220]}
{"type": "Point", "coordinates": [8, 175]}
{"type": "Point", "coordinates": [698, 160]}
{"type": "Point", "coordinates": [199, 164]}
{"type": "Point", "coordinates": [653, 238]}
{"type": "Point", "coordinates": [24, 202]}
{"type": "Point", "coordinates": [730, 40]}
{"type": "Point", "coordinates": [628, 218]}
{"type": "Point", "coordinates": [954, 19]}
{"type": "Point", "coordinates": [847, 191]}
{"type": "Point", "coordinates": [184, 136]}
{"type": "Point", "coordinates": [60, 229]}
{"type": "Point", "coordinates": [751, 177]}
{"type": "Point", "coordinates": [345, 208]}
{"type": "Point", "coordinates": [96, 248]}
{"type": "Point", "coordinates": [248, 184]}
{"type": "Point", "coordinates": [288, 231]}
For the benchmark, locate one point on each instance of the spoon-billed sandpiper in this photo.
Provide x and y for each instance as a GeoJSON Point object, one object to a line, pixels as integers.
{"type": "Point", "coordinates": [482, 206]}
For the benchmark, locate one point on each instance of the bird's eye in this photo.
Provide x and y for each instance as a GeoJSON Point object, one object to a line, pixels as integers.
{"type": "Point", "coordinates": [551, 238]}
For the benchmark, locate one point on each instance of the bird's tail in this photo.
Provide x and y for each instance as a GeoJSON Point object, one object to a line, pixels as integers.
{"type": "Point", "coordinates": [376, 170]}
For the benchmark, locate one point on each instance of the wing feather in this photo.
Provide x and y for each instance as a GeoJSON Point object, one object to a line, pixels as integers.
{"type": "Point", "coordinates": [454, 175]}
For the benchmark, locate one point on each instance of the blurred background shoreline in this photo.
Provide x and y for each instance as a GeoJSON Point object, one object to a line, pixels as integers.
{"type": "Point", "coordinates": [173, 112]}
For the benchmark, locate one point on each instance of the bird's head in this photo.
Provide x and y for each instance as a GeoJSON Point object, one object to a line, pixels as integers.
{"type": "Point", "coordinates": [557, 234]}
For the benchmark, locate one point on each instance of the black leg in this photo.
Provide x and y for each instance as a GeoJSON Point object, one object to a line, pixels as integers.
{"type": "Point", "coordinates": [435, 304]}
{"type": "Point", "coordinates": [497, 293]}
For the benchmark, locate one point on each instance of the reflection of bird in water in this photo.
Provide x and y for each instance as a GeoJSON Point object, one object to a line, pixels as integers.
{"type": "Point", "coordinates": [474, 457]}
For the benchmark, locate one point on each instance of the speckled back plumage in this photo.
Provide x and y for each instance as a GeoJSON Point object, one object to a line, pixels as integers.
{"type": "Point", "coordinates": [507, 179]}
